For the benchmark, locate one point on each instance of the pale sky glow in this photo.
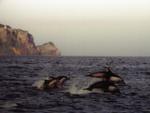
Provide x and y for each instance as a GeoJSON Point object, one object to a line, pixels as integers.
{"type": "Point", "coordinates": [84, 27]}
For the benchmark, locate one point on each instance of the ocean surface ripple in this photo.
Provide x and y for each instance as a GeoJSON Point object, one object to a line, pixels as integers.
{"type": "Point", "coordinates": [17, 74]}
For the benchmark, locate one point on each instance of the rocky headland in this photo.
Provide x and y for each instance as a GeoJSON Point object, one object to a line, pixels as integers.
{"type": "Point", "coordinates": [48, 49]}
{"type": "Point", "coordinates": [18, 42]}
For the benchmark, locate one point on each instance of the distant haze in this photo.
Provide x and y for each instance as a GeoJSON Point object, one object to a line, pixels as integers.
{"type": "Point", "coordinates": [84, 27]}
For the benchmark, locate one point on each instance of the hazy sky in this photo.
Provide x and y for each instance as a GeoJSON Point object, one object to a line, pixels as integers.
{"type": "Point", "coordinates": [84, 27]}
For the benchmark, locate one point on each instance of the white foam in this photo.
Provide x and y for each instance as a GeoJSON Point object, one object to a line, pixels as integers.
{"type": "Point", "coordinates": [38, 84]}
{"type": "Point", "coordinates": [8, 105]}
{"type": "Point", "coordinates": [73, 89]}
{"type": "Point", "coordinates": [78, 87]}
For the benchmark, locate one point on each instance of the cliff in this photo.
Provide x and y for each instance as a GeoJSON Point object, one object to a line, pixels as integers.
{"type": "Point", "coordinates": [48, 49]}
{"type": "Point", "coordinates": [17, 42]}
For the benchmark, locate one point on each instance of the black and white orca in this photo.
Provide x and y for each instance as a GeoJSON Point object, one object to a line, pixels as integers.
{"type": "Point", "coordinates": [104, 86]}
{"type": "Point", "coordinates": [107, 75]}
{"type": "Point", "coordinates": [51, 83]}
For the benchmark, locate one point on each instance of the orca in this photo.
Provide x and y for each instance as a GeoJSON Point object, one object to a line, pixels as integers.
{"type": "Point", "coordinates": [107, 75]}
{"type": "Point", "coordinates": [61, 80]}
{"type": "Point", "coordinates": [51, 83]}
{"type": "Point", "coordinates": [105, 86]}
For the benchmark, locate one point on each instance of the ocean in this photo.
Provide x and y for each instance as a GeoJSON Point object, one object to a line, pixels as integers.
{"type": "Point", "coordinates": [18, 74]}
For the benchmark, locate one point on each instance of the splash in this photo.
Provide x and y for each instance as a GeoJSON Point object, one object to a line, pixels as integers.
{"type": "Point", "coordinates": [78, 87]}
{"type": "Point", "coordinates": [39, 83]}
{"type": "Point", "coordinates": [8, 105]}
{"type": "Point", "coordinates": [73, 89]}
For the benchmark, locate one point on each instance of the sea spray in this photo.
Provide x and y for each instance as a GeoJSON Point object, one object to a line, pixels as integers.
{"type": "Point", "coordinates": [79, 85]}
{"type": "Point", "coordinates": [74, 89]}
{"type": "Point", "coordinates": [8, 104]}
{"type": "Point", "coordinates": [39, 83]}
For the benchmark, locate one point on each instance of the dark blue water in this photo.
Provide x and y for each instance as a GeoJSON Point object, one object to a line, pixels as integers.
{"type": "Point", "coordinates": [17, 74]}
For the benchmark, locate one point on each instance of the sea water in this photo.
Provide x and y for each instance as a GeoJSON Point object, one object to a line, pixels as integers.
{"type": "Point", "coordinates": [18, 74]}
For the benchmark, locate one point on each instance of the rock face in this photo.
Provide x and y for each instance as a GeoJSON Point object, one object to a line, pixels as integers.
{"type": "Point", "coordinates": [48, 49]}
{"type": "Point", "coordinates": [17, 42]}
